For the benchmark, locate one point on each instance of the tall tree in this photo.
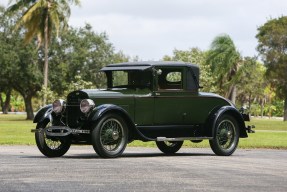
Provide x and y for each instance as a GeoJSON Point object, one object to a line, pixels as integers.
{"type": "Point", "coordinates": [26, 75]}
{"type": "Point", "coordinates": [251, 83]}
{"type": "Point", "coordinates": [40, 18]}
{"type": "Point", "coordinates": [5, 88]}
{"type": "Point", "coordinates": [18, 64]}
{"type": "Point", "coordinates": [225, 61]}
{"type": "Point", "coordinates": [75, 59]}
{"type": "Point", "coordinates": [272, 45]}
{"type": "Point", "coordinates": [80, 51]}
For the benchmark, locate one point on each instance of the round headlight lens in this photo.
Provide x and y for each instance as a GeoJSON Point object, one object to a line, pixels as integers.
{"type": "Point", "coordinates": [86, 105]}
{"type": "Point", "coordinates": [58, 106]}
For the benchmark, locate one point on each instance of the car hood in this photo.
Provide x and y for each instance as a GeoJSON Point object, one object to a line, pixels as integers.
{"type": "Point", "coordinates": [94, 93]}
{"type": "Point", "coordinates": [103, 93]}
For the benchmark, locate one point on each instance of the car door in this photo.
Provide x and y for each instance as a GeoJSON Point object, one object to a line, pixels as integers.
{"type": "Point", "coordinates": [144, 99]}
{"type": "Point", "coordinates": [170, 103]}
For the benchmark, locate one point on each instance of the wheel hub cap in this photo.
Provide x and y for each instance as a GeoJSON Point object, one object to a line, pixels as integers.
{"type": "Point", "coordinates": [115, 135]}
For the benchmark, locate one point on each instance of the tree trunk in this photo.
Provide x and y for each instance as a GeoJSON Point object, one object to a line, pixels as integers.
{"type": "Point", "coordinates": [5, 107]}
{"type": "Point", "coordinates": [285, 109]}
{"type": "Point", "coordinates": [1, 102]}
{"type": "Point", "coordinates": [262, 107]}
{"type": "Point", "coordinates": [5, 104]}
{"type": "Point", "coordinates": [28, 106]}
{"type": "Point", "coordinates": [46, 59]}
{"type": "Point", "coordinates": [232, 94]}
{"type": "Point", "coordinates": [249, 103]}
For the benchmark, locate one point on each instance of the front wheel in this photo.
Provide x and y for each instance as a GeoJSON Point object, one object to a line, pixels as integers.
{"type": "Point", "coordinates": [110, 136]}
{"type": "Point", "coordinates": [226, 136]}
{"type": "Point", "coordinates": [49, 146]}
{"type": "Point", "coordinates": [169, 147]}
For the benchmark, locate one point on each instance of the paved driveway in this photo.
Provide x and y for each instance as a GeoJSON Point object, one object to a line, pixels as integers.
{"type": "Point", "coordinates": [23, 168]}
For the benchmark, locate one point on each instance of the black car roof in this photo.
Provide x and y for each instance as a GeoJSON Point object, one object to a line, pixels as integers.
{"type": "Point", "coordinates": [143, 65]}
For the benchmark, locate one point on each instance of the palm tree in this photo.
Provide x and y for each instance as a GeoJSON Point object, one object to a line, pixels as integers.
{"type": "Point", "coordinates": [224, 60]}
{"type": "Point", "coordinates": [40, 18]}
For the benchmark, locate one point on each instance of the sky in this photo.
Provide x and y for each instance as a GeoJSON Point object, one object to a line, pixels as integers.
{"type": "Point", "coordinates": [151, 29]}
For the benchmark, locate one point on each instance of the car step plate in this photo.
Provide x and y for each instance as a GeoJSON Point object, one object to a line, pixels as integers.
{"type": "Point", "coordinates": [182, 138]}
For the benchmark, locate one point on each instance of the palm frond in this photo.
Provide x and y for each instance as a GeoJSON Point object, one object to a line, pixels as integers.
{"type": "Point", "coordinates": [224, 61]}
{"type": "Point", "coordinates": [35, 13]}
{"type": "Point", "coordinates": [17, 6]}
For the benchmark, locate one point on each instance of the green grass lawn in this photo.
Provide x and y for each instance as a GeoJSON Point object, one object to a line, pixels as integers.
{"type": "Point", "coordinates": [270, 133]}
{"type": "Point", "coordinates": [14, 129]}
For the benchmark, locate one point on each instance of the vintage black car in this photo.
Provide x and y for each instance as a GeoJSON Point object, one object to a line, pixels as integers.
{"type": "Point", "coordinates": [147, 101]}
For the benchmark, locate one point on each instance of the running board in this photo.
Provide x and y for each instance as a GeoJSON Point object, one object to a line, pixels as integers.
{"type": "Point", "coordinates": [182, 138]}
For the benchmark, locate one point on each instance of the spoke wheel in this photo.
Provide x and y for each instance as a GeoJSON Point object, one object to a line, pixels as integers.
{"type": "Point", "coordinates": [110, 137]}
{"type": "Point", "coordinates": [51, 147]}
{"type": "Point", "coordinates": [226, 136]}
{"type": "Point", "coordinates": [169, 147]}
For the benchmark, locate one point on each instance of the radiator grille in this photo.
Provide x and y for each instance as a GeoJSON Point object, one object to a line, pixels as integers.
{"type": "Point", "coordinates": [73, 108]}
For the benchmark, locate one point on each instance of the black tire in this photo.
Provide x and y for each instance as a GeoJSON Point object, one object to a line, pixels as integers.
{"type": "Point", "coordinates": [110, 136]}
{"type": "Point", "coordinates": [226, 136]}
{"type": "Point", "coordinates": [48, 146]}
{"type": "Point", "coordinates": [169, 147]}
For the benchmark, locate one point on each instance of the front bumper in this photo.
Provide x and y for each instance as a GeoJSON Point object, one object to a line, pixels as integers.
{"type": "Point", "coordinates": [60, 131]}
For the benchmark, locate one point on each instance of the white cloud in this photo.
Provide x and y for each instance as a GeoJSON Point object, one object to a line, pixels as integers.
{"type": "Point", "coordinates": [154, 28]}
{"type": "Point", "coordinates": [151, 29]}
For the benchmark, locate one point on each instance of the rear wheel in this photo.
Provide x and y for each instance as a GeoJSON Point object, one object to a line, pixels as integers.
{"type": "Point", "coordinates": [110, 136]}
{"type": "Point", "coordinates": [169, 147]}
{"type": "Point", "coordinates": [49, 146]}
{"type": "Point", "coordinates": [226, 136]}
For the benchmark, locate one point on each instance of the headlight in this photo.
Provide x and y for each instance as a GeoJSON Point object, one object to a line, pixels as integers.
{"type": "Point", "coordinates": [86, 105]}
{"type": "Point", "coordinates": [58, 106]}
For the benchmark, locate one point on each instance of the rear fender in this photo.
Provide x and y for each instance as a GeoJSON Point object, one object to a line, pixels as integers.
{"type": "Point", "coordinates": [217, 113]}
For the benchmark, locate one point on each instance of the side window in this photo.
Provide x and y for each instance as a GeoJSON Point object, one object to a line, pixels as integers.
{"type": "Point", "coordinates": [170, 78]}
{"type": "Point", "coordinates": [140, 79]}
{"type": "Point", "coordinates": [120, 78]}
{"type": "Point", "coordinates": [173, 77]}
{"type": "Point", "coordinates": [131, 79]}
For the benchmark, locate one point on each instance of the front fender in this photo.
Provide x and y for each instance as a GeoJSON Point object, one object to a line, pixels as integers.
{"type": "Point", "coordinates": [216, 114]}
{"type": "Point", "coordinates": [44, 113]}
{"type": "Point", "coordinates": [101, 110]}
